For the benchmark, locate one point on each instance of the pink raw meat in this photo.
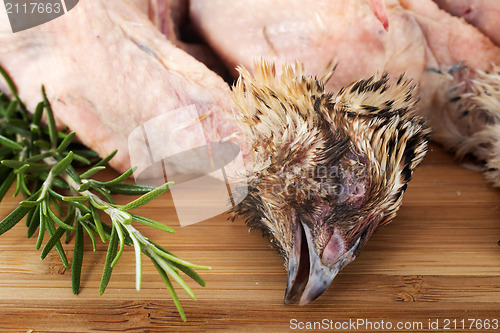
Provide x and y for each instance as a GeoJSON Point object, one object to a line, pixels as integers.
{"type": "Point", "coordinates": [483, 14]}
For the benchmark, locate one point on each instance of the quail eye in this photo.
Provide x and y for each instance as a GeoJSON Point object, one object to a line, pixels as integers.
{"type": "Point", "coordinates": [353, 190]}
{"type": "Point", "coordinates": [346, 182]}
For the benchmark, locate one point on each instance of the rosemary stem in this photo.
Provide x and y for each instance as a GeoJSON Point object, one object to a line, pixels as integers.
{"type": "Point", "coordinates": [46, 185]}
{"type": "Point", "coordinates": [117, 216]}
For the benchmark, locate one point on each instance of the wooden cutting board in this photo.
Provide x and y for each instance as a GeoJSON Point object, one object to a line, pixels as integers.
{"type": "Point", "coordinates": [437, 262]}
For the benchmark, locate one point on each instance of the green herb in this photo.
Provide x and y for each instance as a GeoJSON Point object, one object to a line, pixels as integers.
{"type": "Point", "coordinates": [42, 163]}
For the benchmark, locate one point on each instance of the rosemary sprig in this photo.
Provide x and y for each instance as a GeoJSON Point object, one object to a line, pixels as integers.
{"type": "Point", "coordinates": [59, 200]}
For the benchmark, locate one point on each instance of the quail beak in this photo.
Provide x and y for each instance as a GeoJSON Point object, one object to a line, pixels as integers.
{"type": "Point", "coordinates": [306, 272]}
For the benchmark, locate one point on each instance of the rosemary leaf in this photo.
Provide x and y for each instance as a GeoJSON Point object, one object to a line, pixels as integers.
{"type": "Point", "coordinates": [33, 167]}
{"type": "Point", "coordinates": [22, 169]}
{"type": "Point", "coordinates": [34, 222]}
{"type": "Point", "coordinates": [9, 143]}
{"type": "Point", "coordinates": [90, 233]}
{"type": "Point", "coordinates": [27, 203]}
{"type": "Point", "coordinates": [75, 199]}
{"type": "Point", "coordinates": [130, 189]}
{"type": "Point", "coordinates": [13, 218]}
{"type": "Point", "coordinates": [138, 262]}
{"type": "Point", "coordinates": [170, 271]}
{"type": "Point", "coordinates": [121, 238]}
{"type": "Point", "coordinates": [7, 182]}
{"type": "Point", "coordinates": [76, 266]}
{"type": "Point", "coordinates": [80, 159]}
{"type": "Point", "coordinates": [70, 201]}
{"type": "Point", "coordinates": [56, 237]}
{"type": "Point", "coordinates": [41, 230]}
{"type": "Point", "coordinates": [70, 171]}
{"type": "Point", "coordinates": [151, 223]}
{"type": "Point", "coordinates": [29, 216]}
{"type": "Point", "coordinates": [108, 269]}
{"type": "Point", "coordinates": [18, 184]}
{"type": "Point", "coordinates": [37, 115]}
{"type": "Point", "coordinates": [50, 120]}
{"type": "Point", "coordinates": [145, 198]}
{"type": "Point", "coordinates": [59, 249]}
{"type": "Point", "coordinates": [56, 205]}
{"type": "Point", "coordinates": [104, 192]}
{"type": "Point", "coordinates": [84, 217]}
{"type": "Point", "coordinates": [186, 270]}
{"type": "Point", "coordinates": [39, 157]}
{"type": "Point", "coordinates": [98, 204]}
{"type": "Point", "coordinates": [85, 186]}
{"type": "Point", "coordinates": [63, 164]}
{"type": "Point", "coordinates": [58, 220]}
{"type": "Point", "coordinates": [98, 224]}
{"type": "Point", "coordinates": [13, 90]}
{"type": "Point", "coordinates": [191, 273]}
{"type": "Point", "coordinates": [42, 144]}
{"type": "Point", "coordinates": [66, 142]}
{"type": "Point", "coordinates": [19, 126]}
{"type": "Point", "coordinates": [172, 258]}
{"type": "Point", "coordinates": [16, 129]}
{"type": "Point", "coordinates": [106, 160]}
{"type": "Point", "coordinates": [11, 109]}
{"type": "Point", "coordinates": [91, 172]}
{"type": "Point", "coordinates": [170, 288]}
{"type": "Point", "coordinates": [69, 219]}
{"type": "Point", "coordinates": [121, 178]}
{"type": "Point", "coordinates": [87, 153]}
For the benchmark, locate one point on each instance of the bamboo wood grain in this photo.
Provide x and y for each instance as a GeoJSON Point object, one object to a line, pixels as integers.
{"type": "Point", "coordinates": [438, 259]}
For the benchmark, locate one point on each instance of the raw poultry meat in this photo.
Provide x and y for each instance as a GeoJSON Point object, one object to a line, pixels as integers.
{"type": "Point", "coordinates": [159, 13]}
{"type": "Point", "coordinates": [169, 16]}
{"type": "Point", "coordinates": [483, 14]}
{"type": "Point", "coordinates": [107, 70]}
{"type": "Point", "coordinates": [444, 55]}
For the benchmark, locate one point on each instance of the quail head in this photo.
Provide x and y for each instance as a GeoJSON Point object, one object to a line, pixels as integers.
{"type": "Point", "coordinates": [327, 169]}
